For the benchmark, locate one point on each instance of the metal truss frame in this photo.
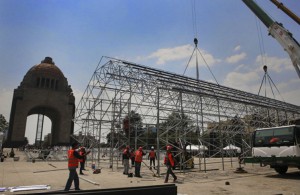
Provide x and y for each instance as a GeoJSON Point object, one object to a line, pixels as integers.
{"type": "Point", "coordinates": [215, 115]}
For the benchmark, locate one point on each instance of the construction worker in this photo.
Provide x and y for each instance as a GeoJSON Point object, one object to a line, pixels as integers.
{"type": "Point", "coordinates": [82, 153]}
{"type": "Point", "coordinates": [125, 160]}
{"type": "Point", "coordinates": [138, 161]}
{"type": "Point", "coordinates": [132, 157]}
{"type": "Point", "coordinates": [73, 156]}
{"type": "Point", "coordinates": [152, 157]}
{"type": "Point", "coordinates": [169, 162]}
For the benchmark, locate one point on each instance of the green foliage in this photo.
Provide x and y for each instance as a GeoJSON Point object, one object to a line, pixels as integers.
{"type": "Point", "coordinates": [3, 123]}
{"type": "Point", "coordinates": [133, 121]}
{"type": "Point", "coordinates": [116, 136]}
{"type": "Point", "coordinates": [176, 124]}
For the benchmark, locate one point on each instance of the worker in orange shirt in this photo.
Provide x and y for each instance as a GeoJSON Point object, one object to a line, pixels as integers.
{"type": "Point", "coordinates": [170, 163]}
{"type": "Point", "coordinates": [73, 156]}
{"type": "Point", "coordinates": [152, 157]}
{"type": "Point", "coordinates": [138, 161]}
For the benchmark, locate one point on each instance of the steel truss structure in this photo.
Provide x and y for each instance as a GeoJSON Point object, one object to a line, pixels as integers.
{"type": "Point", "coordinates": [180, 111]}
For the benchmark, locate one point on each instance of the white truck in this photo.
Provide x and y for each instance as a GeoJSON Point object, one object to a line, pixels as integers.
{"type": "Point", "coordinates": [278, 147]}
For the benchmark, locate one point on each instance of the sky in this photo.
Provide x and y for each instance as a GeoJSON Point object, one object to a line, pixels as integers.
{"type": "Point", "coordinates": [234, 43]}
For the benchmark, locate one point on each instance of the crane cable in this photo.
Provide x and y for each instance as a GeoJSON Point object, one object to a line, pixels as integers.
{"type": "Point", "coordinates": [194, 18]}
{"type": "Point", "coordinates": [264, 61]}
{"type": "Point", "coordinates": [195, 29]}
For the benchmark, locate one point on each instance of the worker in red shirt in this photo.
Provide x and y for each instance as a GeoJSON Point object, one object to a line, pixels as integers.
{"type": "Point", "coordinates": [82, 152]}
{"type": "Point", "coordinates": [132, 157]}
{"type": "Point", "coordinates": [125, 160]}
{"type": "Point", "coordinates": [138, 161]}
{"type": "Point", "coordinates": [152, 157]}
{"type": "Point", "coordinates": [169, 162]}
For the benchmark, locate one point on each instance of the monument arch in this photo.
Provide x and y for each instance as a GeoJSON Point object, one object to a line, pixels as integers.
{"type": "Point", "coordinates": [45, 91]}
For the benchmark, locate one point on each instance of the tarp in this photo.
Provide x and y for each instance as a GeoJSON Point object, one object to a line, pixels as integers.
{"type": "Point", "coordinates": [196, 147]}
{"type": "Point", "coordinates": [232, 147]}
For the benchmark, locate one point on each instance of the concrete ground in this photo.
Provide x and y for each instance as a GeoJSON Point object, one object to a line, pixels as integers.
{"type": "Point", "coordinates": [258, 180]}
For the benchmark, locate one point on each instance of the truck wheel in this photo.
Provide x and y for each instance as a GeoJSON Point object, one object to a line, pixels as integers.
{"type": "Point", "coordinates": [281, 169]}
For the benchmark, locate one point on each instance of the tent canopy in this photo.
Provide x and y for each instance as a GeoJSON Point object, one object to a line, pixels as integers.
{"type": "Point", "coordinates": [232, 147]}
{"type": "Point", "coordinates": [196, 147]}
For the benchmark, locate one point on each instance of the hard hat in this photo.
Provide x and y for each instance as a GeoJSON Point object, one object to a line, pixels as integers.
{"type": "Point", "coordinates": [169, 147]}
{"type": "Point", "coordinates": [140, 148]}
{"type": "Point", "coordinates": [152, 147]}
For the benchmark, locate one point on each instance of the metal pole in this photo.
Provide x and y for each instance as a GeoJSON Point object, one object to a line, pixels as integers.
{"type": "Point", "coordinates": [220, 135]}
{"type": "Point", "coordinates": [157, 133]}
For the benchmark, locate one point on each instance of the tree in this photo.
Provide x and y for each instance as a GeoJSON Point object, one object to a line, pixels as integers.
{"type": "Point", "coordinates": [177, 124]}
{"type": "Point", "coordinates": [117, 136]}
{"type": "Point", "coordinates": [3, 123]}
{"type": "Point", "coordinates": [132, 122]}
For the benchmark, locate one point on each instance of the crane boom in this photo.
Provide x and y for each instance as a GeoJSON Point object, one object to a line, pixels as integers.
{"type": "Point", "coordinates": [277, 31]}
{"type": "Point", "coordinates": [286, 10]}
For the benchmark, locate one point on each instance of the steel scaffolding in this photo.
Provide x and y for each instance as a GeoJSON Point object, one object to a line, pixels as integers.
{"type": "Point", "coordinates": [180, 111]}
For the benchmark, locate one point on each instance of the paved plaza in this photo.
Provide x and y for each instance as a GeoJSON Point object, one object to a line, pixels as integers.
{"type": "Point", "coordinates": [258, 180]}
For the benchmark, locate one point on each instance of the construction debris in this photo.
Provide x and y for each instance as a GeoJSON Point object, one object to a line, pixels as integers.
{"type": "Point", "coordinates": [154, 174]}
{"type": "Point", "coordinates": [27, 188]}
{"type": "Point", "coordinates": [92, 182]}
{"type": "Point", "coordinates": [48, 170]}
{"type": "Point", "coordinates": [52, 165]}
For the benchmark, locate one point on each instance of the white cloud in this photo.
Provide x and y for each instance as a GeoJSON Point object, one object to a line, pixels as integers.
{"type": "Point", "coordinates": [78, 95]}
{"type": "Point", "coordinates": [5, 103]}
{"type": "Point", "coordinates": [276, 64]}
{"type": "Point", "coordinates": [288, 91]}
{"type": "Point", "coordinates": [237, 48]}
{"type": "Point", "coordinates": [165, 55]}
{"type": "Point", "coordinates": [236, 58]}
{"type": "Point", "coordinates": [292, 97]}
{"type": "Point", "coordinates": [240, 67]}
{"type": "Point", "coordinates": [171, 54]}
{"type": "Point", "coordinates": [242, 81]}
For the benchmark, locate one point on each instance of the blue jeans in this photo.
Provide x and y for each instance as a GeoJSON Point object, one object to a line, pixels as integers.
{"type": "Point", "coordinates": [73, 176]}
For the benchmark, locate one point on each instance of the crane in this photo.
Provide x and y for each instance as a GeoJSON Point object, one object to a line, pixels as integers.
{"type": "Point", "coordinates": [277, 31]}
{"type": "Point", "coordinates": [286, 10]}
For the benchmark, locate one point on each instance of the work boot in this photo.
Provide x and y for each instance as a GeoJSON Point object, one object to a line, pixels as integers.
{"type": "Point", "coordinates": [77, 189]}
{"type": "Point", "coordinates": [175, 179]}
